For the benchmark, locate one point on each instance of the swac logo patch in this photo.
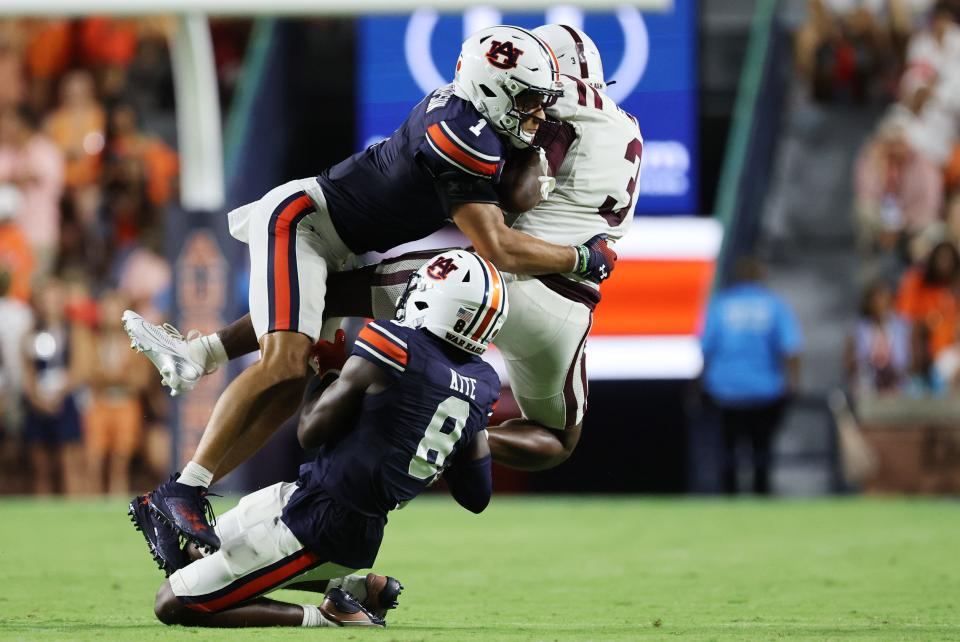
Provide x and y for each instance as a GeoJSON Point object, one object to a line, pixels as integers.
{"type": "Point", "coordinates": [509, 53]}
{"type": "Point", "coordinates": [441, 268]}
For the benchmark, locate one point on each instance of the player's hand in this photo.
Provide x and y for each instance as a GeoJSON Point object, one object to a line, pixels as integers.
{"type": "Point", "coordinates": [595, 259]}
{"type": "Point", "coordinates": [329, 355]}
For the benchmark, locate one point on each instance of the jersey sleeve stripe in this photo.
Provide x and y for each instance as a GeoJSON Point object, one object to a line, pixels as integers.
{"type": "Point", "coordinates": [451, 161]}
{"type": "Point", "coordinates": [387, 347]}
{"type": "Point", "coordinates": [386, 333]}
{"type": "Point", "coordinates": [380, 357]}
{"type": "Point", "coordinates": [470, 150]}
{"type": "Point", "coordinates": [446, 147]}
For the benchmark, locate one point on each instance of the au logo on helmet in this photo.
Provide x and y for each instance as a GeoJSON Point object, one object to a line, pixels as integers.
{"type": "Point", "coordinates": [506, 49]}
{"type": "Point", "coordinates": [441, 268]}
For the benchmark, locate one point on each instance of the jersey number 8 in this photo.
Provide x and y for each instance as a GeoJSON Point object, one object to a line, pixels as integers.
{"type": "Point", "coordinates": [437, 443]}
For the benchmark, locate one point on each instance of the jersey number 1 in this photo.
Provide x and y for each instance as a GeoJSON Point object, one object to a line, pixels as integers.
{"type": "Point", "coordinates": [437, 443]}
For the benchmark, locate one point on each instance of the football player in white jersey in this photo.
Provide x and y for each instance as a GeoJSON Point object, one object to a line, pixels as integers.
{"type": "Point", "coordinates": [591, 163]}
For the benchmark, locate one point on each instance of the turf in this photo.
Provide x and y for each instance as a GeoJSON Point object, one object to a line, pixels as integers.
{"type": "Point", "coordinates": [545, 569]}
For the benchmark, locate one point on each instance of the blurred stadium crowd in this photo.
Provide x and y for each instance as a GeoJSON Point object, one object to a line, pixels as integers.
{"type": "Point", "coordinates": [83, 184]}
{"type": "Point", "coordinates": [906, 181]}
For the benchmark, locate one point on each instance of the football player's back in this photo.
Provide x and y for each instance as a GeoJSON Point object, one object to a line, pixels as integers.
{"type": "Point", "coordinates": [439, 401]}
{"type": "Point", "coordinates": [596, 159]}
{"type": "Point", "coordinates": [386, 194]}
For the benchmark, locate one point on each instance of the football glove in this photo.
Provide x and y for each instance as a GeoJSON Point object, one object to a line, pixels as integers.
{"type": "Point", "coordinates": [595, 259]}
{"type": "Point", "coordinates": [329, 355]}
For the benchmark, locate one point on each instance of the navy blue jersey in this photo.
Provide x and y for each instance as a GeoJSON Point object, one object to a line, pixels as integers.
{"type": "Point", "coordinates": [402, 188]}
{"type": "Point", "coordinates": [441, 398]}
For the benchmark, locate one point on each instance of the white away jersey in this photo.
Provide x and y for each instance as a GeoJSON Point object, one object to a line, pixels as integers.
{"type": "Point", "coordinates": [598, 179]}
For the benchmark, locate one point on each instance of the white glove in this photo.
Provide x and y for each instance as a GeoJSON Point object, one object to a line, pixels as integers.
{"type": "Point", "coordinates": [547, 183]}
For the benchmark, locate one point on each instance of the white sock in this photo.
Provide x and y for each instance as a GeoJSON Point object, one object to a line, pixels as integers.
{"type": "Point", "coordinates": [195, 475]}
{"type": "Point", "coordinates": [208, 351]}
{"type": "Point", "coordinates": [355, 585]}
{"type": "Point", "coordinates": [313, 618]}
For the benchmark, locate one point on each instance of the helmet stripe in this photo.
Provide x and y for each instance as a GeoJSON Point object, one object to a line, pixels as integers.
{"type": "Point", "coordinates": [554, 63]}
{"type": "Point", "coordinates": [486, 296]}
{"type": "Point", "coordinates": [581, 53]}
{"type": "Point", "coordinates": [496, 302]}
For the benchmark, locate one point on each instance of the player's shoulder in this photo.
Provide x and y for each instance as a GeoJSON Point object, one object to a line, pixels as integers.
{"type": "Point", "coordinates": [386, 343]}
{"type": "Point", "coordinates": [461, 136]}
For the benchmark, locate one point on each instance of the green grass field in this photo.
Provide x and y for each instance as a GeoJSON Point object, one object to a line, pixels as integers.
{"type": "Point", "coordinates": [544, 569]}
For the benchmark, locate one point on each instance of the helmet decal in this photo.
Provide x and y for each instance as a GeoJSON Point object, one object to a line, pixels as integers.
{"type": "Point", "coordinates": [441, 268]}
{"type": "Point", "coordinates": [510, 53]}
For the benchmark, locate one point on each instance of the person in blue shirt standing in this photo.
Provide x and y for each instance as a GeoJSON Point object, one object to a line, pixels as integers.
{"type": "Point", "coordinates": [751, 349]}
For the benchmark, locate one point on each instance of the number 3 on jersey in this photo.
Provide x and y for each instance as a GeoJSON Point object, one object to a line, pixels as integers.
{"type": "Point", "coordinates": [437, 444]}
{"type": "Point", "coordinates": [615, 217]}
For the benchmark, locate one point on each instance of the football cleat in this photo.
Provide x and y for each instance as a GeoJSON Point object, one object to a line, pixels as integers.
{"type": "Point", "coordinates": [342, 609]}
{"type": "Point", "coordinates": [163, 541]}
{"type": "Point", "coordinates": [383, 593]}
{"type": "Point", "coordinates": [187, 510]}
{"type": "Point", "coordinates": [167, 348]}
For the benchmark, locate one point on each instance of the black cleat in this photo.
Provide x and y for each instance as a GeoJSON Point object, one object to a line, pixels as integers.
{"type": "Point", "coordinates": [343, 609]}
{"type": "Point", "coordinates": [163, 541]}
{"type": "Point", "coordinates": [187, 510]}
{"type": "Point", "coordinates": [383, 593]}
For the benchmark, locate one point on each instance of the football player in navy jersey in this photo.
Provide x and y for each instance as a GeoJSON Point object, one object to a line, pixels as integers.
{"type": "Point", "coordinates": [441, 164]}
{"type": "Point", "coordinates": [411, 403]}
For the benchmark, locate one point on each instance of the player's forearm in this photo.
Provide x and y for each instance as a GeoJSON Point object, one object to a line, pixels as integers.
{"type": "Point", "coordinates": [327, 409]}
{"type": "Point", "coordinates": [471, 483]}
{"type": "Point", "coordinates": [521, 253]}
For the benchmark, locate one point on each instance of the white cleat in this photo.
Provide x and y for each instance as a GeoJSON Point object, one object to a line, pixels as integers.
{"type": "Point", "coordinates": [167, 348]}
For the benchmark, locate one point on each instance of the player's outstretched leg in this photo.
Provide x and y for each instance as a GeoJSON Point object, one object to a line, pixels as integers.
{"type": "Point", "coordinates": [338, 608]}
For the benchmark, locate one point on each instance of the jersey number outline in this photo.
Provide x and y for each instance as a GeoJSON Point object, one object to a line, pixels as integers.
{"type": "Point", "coordinates": [615, 217]}
{"type": "Point", "coordinates": [436, 440]}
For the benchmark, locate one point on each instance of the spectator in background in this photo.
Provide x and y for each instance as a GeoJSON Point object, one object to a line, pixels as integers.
{"type": "Point", "coordinates": [878, 352]}
{"type": "Point", "coordinates": [927, 298]}
{"type": "Point", "coordinates": [12, 91]}
{"type": "Point", "coordinates": [751, 349]}
{"type": "Point", "coordinates": [16, 256]}
{"type": "Point", "coordinates": [16, 269]}
{"type": "Point", "coordinates": [114, 419]}
{"type": "Point", "coordinates": [33, 163]}
{"type": "Point", "coordinates": [159, 163]}
{"type": "Point", "coordinates": [48, 54]}
{"type": "Point", "coordinates": [54, 357]}
{"type": "Point", "coordinates": [108, 45]}
{"type": "Point", "coordinates": [898, 191]}
{"type": "Point", "coordinates": [78, 127]}
{"type": "Point", "coordinates": [939, 44]}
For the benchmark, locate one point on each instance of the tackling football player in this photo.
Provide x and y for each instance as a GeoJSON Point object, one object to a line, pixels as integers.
{"type": "Point", "coordinates": [594, 155]}
{"type": "Point", "coordinates": [441, 164]}
{"type": "Point", "coordinates": [410, 404]}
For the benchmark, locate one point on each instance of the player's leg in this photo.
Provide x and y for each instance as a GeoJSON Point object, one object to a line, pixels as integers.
{"type": "Point", "coordinates": [259, 554]}
{"type": "Point", "coordinates": [543, 343]}
{"type": "Point", "coordinates": [290, 243]}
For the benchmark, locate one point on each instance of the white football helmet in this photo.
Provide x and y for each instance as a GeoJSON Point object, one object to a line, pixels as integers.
{"type": "Point", "coordinates": [457, 296]}
{"type": "Point", "coordinates": [577, 54]}
{"type": "Point", "coordinates": [496, 65]}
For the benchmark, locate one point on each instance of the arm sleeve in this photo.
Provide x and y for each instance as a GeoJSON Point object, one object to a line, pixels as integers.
{"type": "Point", "coordinates": [471, 483]}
